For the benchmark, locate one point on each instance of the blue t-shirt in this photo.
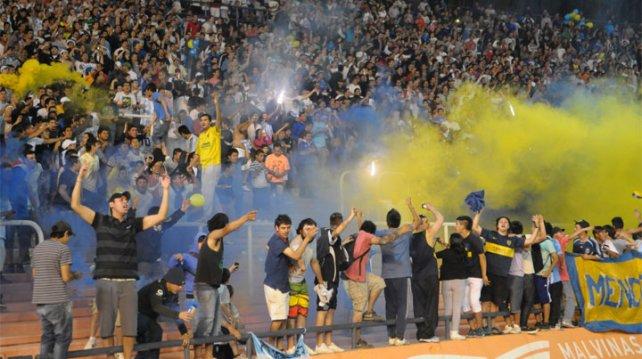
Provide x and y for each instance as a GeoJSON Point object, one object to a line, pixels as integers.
{"type": "Point", "coordinates": [395, 256]}
{"type": "Point", "coordinates": [276, 265]}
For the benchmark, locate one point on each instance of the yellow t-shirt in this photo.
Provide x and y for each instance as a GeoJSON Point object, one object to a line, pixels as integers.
{"type": "Point", "coordinates": [208, 147]}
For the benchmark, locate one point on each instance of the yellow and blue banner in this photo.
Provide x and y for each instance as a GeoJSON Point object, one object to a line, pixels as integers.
{"type": "Point", "coordinates": [608, 291]}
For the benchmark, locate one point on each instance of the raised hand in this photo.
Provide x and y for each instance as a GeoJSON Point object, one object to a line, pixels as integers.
{"type": "Point", "coordinates": [251, 215]}
{"type": "Point", "coordinates": [165, 181]}
{"type": "Point", "coordinates": [83, 171]}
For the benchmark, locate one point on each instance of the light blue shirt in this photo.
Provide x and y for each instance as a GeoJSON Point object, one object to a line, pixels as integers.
{"type": "Point", "coordinates": [395, 256]}
{"type": "Point", "coordinates": [555, 274]}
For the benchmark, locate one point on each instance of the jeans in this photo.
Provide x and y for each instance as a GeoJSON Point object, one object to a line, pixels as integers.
{"type": "Point", "coordinates": [56, 320]}
{"type": "Point", "coordinates": [570, 303]}
{"type": "Point", "coordinates": [209, 180]}
{"type": "Point", "coordinates": [208, 316]}
{"type": "Point", "coordinates": [148, 332]}
{"type": "Point", "coordinates": [529, 298]}
{"type": "Point", "coordinates": [396, 294]}
{"type": "Point", "coordinates": [425, 303]}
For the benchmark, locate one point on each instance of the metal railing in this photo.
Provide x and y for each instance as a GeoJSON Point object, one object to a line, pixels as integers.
{"type": "Point", "coordinates": [26, 223]}
{"type": "Point", "coordinates": [281, 333]}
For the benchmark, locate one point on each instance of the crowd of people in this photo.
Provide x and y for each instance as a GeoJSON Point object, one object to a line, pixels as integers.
{"type": "Point", "coordinates": [499, 269]}
{"type": "Point", "coordinates": [247, 104]}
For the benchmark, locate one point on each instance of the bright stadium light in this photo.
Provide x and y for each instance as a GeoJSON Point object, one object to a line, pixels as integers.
{"type": "Point", "coordinates": [281, 97]}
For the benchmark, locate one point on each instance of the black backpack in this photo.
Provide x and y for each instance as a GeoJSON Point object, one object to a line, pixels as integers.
{"type": "Point", "coordinates": [348, 249]}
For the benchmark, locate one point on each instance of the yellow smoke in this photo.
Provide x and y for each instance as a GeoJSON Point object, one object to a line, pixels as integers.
{"type": "Point", "coordinates": [32, 76]}
{"type": "Point", "coordinates": [580, 161]}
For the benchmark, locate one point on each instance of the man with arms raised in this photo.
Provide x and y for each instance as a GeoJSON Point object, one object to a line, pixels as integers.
{"type": "Point", "coordinates": [116, 265]}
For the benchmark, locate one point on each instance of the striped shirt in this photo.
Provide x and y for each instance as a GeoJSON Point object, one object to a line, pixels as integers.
{"type": "Point", "coordinates": [48, 286]}
{"type": "Point", "coordinates": [116, 246]}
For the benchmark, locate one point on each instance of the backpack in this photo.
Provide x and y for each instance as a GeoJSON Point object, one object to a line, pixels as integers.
{"type": "Point", "coordinates": [327, 251]}
{"type": "Point", "coordinates": [348, 248]}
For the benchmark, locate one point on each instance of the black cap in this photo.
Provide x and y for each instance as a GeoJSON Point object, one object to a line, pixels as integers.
{"type": "Point", "coordinates": [120, 194]}
{"type": "Point", "coordinates": [583, 223]}
{"type": "Point", "coordinates": [60, 227]}
{"type": "Point", "coordinates": [175, 276]}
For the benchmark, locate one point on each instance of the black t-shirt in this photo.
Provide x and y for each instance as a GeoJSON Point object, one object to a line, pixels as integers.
{"type": "Point", "coordinates": [500, 251]}
{"type": "Point", "coordinates": [67, 178]}
{"type": "Point", "coordinates": [423, 255]}
{"type": "Point", "coordinates": [453, 265]}
{"type": "Point", "coordinates": [474, 247]}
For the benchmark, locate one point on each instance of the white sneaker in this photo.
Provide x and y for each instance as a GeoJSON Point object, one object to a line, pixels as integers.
{"type": "Point", "coordinates": [516, 329]}
{"type": "Point", "coordinates": [507, 330]}
{"type": "Point", "coordinates": [566, 324]}
{"type": "Point", "coordinates": [119, 356]}
{"type": "Point", "coordinates": [310, 351]}
{"type": "Point", "coordinates": [400, 342]}
{"type": "Point", "coordinates": [323, 349]}
{"type": "Point", "coordinates": [335, 348]}
{"type": "Point", "coordinates": [392, 341]}
{"type": "Point", "coordinates": [454, 335]}
{"type": "Point", "coordinates": [91, 342]}
{"type": "Point", "coordinates": [434, 339]}
{"type": "Point", "coordinates": [246, 188]}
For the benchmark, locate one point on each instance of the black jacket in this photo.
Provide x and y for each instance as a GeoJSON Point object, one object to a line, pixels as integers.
{"type": "Point", "coordinates": [154, 300]}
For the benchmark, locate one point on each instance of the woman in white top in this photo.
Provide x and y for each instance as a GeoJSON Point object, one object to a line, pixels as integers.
{"type": "Point", "coordinates": [90, 183]}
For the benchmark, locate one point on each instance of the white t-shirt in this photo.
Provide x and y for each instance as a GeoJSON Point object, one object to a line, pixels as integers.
{"type": "Point", "coordinates": [297, 273]}
{"type": "Point", "coordinates": [608, 244]}
{"type": "Point", "coordinates": [128, 100]}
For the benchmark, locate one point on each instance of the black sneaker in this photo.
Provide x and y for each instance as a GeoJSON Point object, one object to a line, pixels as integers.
{"type": "Point", "coordinates": [372, 317]}
{"type": "Point", "coordinates": [544, 326]}
{"type": "Point", "coordinates": [473, 333]}
{"type": "Point", "coordinates": [362, 344]}
{"type": "Point", "coordinates": [530, 330]}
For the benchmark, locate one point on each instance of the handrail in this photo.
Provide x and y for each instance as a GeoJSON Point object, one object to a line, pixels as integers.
{"type": "Point", "coordinates": [279, 333]}
{"type": "Point", "coordinates": [24, 222]}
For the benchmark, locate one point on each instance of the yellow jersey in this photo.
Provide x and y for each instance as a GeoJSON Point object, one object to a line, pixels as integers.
{"type": "Point", "coordinates": [208, 147]}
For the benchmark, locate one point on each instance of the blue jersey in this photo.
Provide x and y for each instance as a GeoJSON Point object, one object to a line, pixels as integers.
{"type": "Point", "coordinates": [587, 247]}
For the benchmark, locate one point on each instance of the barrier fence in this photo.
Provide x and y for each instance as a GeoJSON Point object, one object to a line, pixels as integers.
{"type": "Point", "coordinates": [281, 333]}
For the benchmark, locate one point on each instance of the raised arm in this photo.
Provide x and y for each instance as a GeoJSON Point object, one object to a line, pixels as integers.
{"type": "Point", "coordinates": [476, 227]}
{"type": "Point", "coordinates": [340, 228]}
{"type": "Point", "coordinates": [416, 220]}
{"type": "Point", "coordinates": [154, 219]}
{"type": "Point", "coordinates": [219, 117]}
{"type": "Point", "coordinates": [296, 254]}
{"type": "Point", "coordinates": [436, 226]}
{"type": "Point", "coordinates": [217, 234]}
{"type": "Point", "coordinates": [86, 213]}
{"type": "Point", "coordinates": [534, 233]}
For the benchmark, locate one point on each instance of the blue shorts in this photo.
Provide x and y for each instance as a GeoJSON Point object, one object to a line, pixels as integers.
{"type": "Point", "coordinates": [542, 293]}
